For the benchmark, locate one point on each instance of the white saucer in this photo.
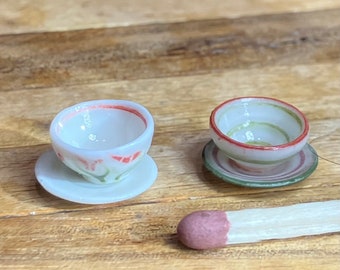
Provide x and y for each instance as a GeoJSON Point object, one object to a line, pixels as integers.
{"type": "Point", "coordinates": [292, 171]}
{"type": "Point", "coordinates": [64, 183]}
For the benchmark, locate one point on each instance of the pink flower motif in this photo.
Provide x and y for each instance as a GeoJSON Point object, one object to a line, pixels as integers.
{"type": "Point", "coordinates": [90, 166]}
{"type": "Point", "coordinates": [127, 159]}
{"type": "Point", "coordinates": [60, 156]}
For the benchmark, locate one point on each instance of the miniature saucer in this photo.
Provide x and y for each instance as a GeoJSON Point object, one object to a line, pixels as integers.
{"type": "Point", "coordinates": [292, 171]}
{"type": "Point", "coordinates": [64, 183]}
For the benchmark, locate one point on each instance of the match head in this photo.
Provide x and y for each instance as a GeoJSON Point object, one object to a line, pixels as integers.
{"type": "Point", "coordinates": [204, 229]}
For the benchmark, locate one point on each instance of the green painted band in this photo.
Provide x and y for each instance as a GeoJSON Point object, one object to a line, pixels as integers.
{"type": "Point", "coordinates": [251, 124]}
{"type": "Point", "coordinates": [287, 111]}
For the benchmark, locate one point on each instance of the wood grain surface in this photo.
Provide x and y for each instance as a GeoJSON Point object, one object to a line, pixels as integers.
{"type": "Point", "coordinates": [180, 62]}
{"type": "Point", "coordinates": [24, 16]}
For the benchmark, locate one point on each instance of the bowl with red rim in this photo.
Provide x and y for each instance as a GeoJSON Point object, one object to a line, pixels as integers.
{"type": "Point", "coordinates": [258, 133]}
{"type": "Point", "coordinates": [102, 140]}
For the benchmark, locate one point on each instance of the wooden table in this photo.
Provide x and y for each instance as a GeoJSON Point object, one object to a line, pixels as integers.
{"type": "Point", "coordinates": [179, 59]}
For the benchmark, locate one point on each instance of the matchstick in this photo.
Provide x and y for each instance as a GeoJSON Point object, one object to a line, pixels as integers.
{"type": "Point", "coordinates": [216, 229]}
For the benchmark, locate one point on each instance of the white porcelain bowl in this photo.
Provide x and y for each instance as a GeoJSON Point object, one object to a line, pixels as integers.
{"type": "Point", "coordinates": [102, 139]}
{"type": "Point", "coordinates": [258, 132]}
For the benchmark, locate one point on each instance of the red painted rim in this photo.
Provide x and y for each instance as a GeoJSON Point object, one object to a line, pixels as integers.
{"type": "Point", "coordinates": [104, 106]}
{"type": "Point", "coordinates": [124, 105]}
{"type": "Point", "coordinates": [302, 136]}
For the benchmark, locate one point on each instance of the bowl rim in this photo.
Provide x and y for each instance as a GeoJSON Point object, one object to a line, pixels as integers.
{"type": "Point", "coordinates": [133, 107]}
{"type": "Point", "coordinates": [297, 140]}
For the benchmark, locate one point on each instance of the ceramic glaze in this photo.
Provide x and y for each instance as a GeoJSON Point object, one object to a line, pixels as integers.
{"type": "Point", "coordinates": [102, 139]}
{"type": "Point", "coordinates": [258, 131]}
{"type": "Point", "coordinates": [64, 183]}
{"type": "Point", "coordinates": [101, 127]}
{"type": "Point", "coordinates": [294, 170]}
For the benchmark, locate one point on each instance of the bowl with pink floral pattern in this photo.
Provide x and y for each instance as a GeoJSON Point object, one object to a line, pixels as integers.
{"type": "Point", "coordinates": [102, 140]}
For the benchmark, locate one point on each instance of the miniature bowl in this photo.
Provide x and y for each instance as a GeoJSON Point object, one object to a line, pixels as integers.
{"type": "Point", "coordinates": [258, 133]}
{"type": "Point", "coordinates": [102, 139]}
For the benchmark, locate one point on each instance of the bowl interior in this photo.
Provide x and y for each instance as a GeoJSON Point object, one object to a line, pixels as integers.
{"type": "Point", "coordinates": [100, 127]}
{"type": "Point", "coordinates": [260, 122]}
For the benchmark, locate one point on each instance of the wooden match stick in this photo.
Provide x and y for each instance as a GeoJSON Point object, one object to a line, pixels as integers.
{"type": "Point", "coordinates": [215, 229]}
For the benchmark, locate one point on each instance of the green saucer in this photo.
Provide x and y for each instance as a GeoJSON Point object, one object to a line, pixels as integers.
{"type": "Point", "coordinates": [292, 171]}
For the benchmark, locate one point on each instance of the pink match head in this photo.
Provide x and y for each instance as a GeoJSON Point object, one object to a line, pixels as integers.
{"type": "Point", "coordinates": [204, 230]}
